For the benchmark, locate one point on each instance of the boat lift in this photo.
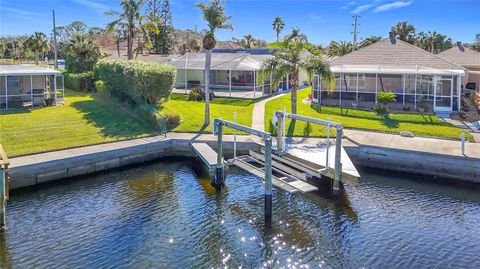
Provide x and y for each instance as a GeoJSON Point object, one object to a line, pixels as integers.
{"type": "Point", "coordinates": [4, 163]}
{"type": "Point", "coordinates": [285, 166]}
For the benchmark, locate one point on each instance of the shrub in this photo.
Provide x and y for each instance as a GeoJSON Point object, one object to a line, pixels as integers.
{"type": "Point", "coordinates": [79, 81]}
{"type": "Point", "coordinates": [384, 98]}
{"type": "Point", "coordinates": [198, 94]}
{"type": "Point", "coordinates": [148, 81]}
{"type": "Point", "coordinates": [100, 86]}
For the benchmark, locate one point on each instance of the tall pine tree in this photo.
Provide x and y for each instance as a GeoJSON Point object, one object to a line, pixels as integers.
{"type": "Point", "coordinates": [153, 15]}
{"type": "Point", "coordinates": [164, 41]}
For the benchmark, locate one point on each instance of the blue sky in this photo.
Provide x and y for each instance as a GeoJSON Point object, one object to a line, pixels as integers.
{"type": "Point", "coordinates": [321, 20]}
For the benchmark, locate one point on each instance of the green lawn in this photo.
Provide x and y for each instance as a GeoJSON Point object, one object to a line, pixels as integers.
{"type": "Point", "coordinates": [420, 125]}
{"type": "Point", "coordinates": [192, 112]}
{"type": "Point", "coordinates": [85, 119]}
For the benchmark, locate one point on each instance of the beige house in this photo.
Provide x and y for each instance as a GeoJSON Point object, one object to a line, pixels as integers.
{"type": "Point", "coordinates": [467, 58]}
{"type": "Point", "coordinates": [29, 86]}
{"type": "Point", "coordinates": [421, 80]}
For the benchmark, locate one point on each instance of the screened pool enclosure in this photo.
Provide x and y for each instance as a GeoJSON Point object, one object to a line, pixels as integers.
{"type": "Point", "coordinates": [29, 86]}
{"type": "Point", "coordinates": [421, 91]}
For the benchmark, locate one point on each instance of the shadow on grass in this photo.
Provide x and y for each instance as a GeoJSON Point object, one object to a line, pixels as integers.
{"type": "Point", "coordinates": [13, 111]}
{"type": "Point", "coordinates": [114, 121]}
{"type": "Point", "coordinates": [389, 122]}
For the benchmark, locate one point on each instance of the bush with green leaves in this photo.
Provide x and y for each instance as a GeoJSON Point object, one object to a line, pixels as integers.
{"type": "Point", "coordinates": [148, 81]}
{"type": "Point", "coordinates": [79, 81]}
{"type": "Point", "coordinates": [198, 94]}
{"type": "Point", "coordinates": [384, 98]}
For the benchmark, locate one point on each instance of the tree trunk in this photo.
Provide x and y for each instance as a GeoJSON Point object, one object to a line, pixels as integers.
{"type": "Point", "coordinates": [278, 38]}
{"type": "Point", "coordinates": [208, 61]}
{"type": "Point", "coordinates": [118, 47]}
{"type": "Point", "coordinates": [37, 56]}
{"type": "Point", "coordinates": [294, 99]}
{"type": "Point", "coordinates": [130, 44]}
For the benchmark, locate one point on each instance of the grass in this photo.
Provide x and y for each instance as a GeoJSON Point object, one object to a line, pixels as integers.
{"type": "Point", "coordinates": [85, 119]}
{"type": "Point", "coordinates": [420, 125]}
{"type": "Point", "coordinates": [88, 119]}
{"type": "Point", "coordinates": [193, 112]}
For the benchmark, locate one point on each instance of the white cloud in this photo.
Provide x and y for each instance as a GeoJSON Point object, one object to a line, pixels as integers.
{"type": "Point", "coordinates": [21, 11]}
{"type": "Point", "coordinates": [94, 5]}
{"type": "Point", "coordinates": [362, 8]}
{"type": "Point", "coordinates": [393, 5]}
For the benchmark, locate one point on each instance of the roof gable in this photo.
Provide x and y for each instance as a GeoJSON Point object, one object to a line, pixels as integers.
{"type": "Point", "coordinates": [462, 56]}
{"type": "Point", "coordinates": [394, 52]}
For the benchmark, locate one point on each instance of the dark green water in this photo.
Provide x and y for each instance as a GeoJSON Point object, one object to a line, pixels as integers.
{"type": "Point", "coordinates": [164, 215]}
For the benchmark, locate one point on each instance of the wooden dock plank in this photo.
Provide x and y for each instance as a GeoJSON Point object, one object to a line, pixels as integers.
{"type": "Point", "coordinates": [206, 154]}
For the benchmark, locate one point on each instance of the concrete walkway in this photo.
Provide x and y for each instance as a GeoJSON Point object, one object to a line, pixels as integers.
{"type": "Point", "coordinates": [258, 115]}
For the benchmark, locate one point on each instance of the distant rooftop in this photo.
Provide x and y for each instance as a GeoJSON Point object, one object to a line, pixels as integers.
{"type": "Point", "coordinates": [393, 55]}
{"type": "Point", "coordinates": [462, 55]}
{"type": "Point", "coordinates": [25, 70]}
{"type": "Point", "coordinates": [221, 61]}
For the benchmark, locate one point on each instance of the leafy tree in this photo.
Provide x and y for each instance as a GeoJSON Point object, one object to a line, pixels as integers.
{"type": "Point", "coordinates": [278, 26]}
{"type": "Point", "coordinates": [370, 40]}
{"type": "Point", "coordinates": [95, 31]}
{"type": "Point", "coordinates": [2, 49]}
{"type": "Point", "coordinates": [76, 27]}
{"type": "Point", "coordinates": [214, 15]}
{"type": "Point", "coordinates": [404, 31]}
{"type": "Point", "coordinates": [38, 43]}
{"type": "Point", "coordinates": [165, 37]}
{"type": "Point", "coordinates": [82, 54]}
{"type": "Point", "coordinates": [249, 41]}
{"type": "Point", "coordinates": [288, 60]}
{"type": "Point", "coordinates": [131, 17]}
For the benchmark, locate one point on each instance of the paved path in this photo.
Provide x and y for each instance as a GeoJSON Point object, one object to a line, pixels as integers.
{"type": "Point", "coordinates": [258, 115]}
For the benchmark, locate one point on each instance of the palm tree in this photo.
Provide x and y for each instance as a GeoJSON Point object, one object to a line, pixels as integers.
{"type": "Point", "coordinates": [82, 54]}
{"type": "Point", "coordinates": [433, 41]}
{"type": "Point", "coordinates": [278, 26]}
{"type": "Point", "coordinates": [249, 41]}
{"type": "Point", "coordinates": [131, 18]}
{"type": "Point", "coordinates": [339, 49]}
{"type": "Point", "coordinates": [404, 31]}
{"type": "Point", "coordinates": [288, 60]}
{"type": "Point", "coordinates": [370, 40]}
{"type": "Point", "coordinates": [144, 31]}
{"type": "Point", "coordinates": [38, 43]}
{"type": "Point", "coordinates": [214, 15]}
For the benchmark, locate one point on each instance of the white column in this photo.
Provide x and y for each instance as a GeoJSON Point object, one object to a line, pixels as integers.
{"type": "Point", "coordinates": [31, 89]}
{"type": "Point", "coordinates": [254, 83]}
{"type": "Point", "coordinates": [288, 82]}
{"type": "Point", "coordinates": [270, 84]}
{"type": "Point", "coordinates": [356, 91]}
{"type": "Point", "coordinates": [376, 87]}
{"type": "Point", "coordinates": [6, 93]}
{"type": "Point", "coordinates": [230, 82]}
{"type": "Point", "coordinates": [186, 81]}
{"type": "Point", "coordinates": [55, 88]}
{"type": "Point", "coordinates": [459, 92]}
{"type": "Point", "coordinates": [341, 86]}
{"type": "Point", "coordinates": [415, 97]}
{"type": "Point", "coordinates": [404, 90]}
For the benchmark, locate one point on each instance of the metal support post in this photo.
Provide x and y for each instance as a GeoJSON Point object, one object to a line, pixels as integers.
{"type": "Point", "coordinates": [218, 180]}
{"type": "Point", "coordinates": [462, 139]}
{"type": "Point", "coordinates": [338, 162]}
{"type": "Point", "coordinates": [234, 137]}
{"type": "Point", "coordinates": [2, 198]}
{"type": "Point", "coordinates": [268, 181]}
{"type": "Point", "coordinates": [280, 126]}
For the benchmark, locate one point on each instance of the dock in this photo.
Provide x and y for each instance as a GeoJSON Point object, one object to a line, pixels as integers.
{"type": "Point", "coordinates": [206, 154]}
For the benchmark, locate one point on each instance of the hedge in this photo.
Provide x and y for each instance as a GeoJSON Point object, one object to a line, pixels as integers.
{"type": "Point", "coordinates": [148, 81]}
{"type": "Point", "coordinates": [79, 81]}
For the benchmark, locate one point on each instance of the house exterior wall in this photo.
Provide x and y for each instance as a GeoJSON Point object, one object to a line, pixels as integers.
{"type": "Point", "coordinates": [472, 74]}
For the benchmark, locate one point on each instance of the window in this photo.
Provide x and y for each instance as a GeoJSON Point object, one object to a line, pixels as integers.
{"type": "Point", "coordinates": [13, 82]}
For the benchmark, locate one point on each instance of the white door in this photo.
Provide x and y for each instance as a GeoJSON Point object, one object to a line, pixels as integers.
{"type": "Point", "coordinates": [442, 94]}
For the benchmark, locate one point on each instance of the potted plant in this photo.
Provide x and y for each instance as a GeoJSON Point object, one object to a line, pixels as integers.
{"type": "Point", "coordinates": [422, 108]}
{"type": "Point", "coordinates": [49, 100]}
{"type": "Point", "coordinates": [406, 108]}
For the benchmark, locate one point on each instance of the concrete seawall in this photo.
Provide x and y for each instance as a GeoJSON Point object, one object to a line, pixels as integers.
{"type": "Point", "coordinates": [39, 168]}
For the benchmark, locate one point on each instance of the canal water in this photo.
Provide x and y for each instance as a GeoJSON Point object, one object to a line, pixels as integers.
{"type": "Point", "coordinates": [166, 215]}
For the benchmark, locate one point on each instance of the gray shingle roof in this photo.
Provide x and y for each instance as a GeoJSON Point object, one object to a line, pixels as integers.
{"type": "Point", "coordinates": [391, 52]}
{"type": "Point", "coordinates": [221, 61]}
{"type": "Point", "coordinates": [461, 55]}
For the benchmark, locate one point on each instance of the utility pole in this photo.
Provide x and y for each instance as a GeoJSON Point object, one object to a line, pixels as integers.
{"type": "Point", "coordinates": [54, 41]}
{"type": "Point", "coordinates": [355, 32]}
